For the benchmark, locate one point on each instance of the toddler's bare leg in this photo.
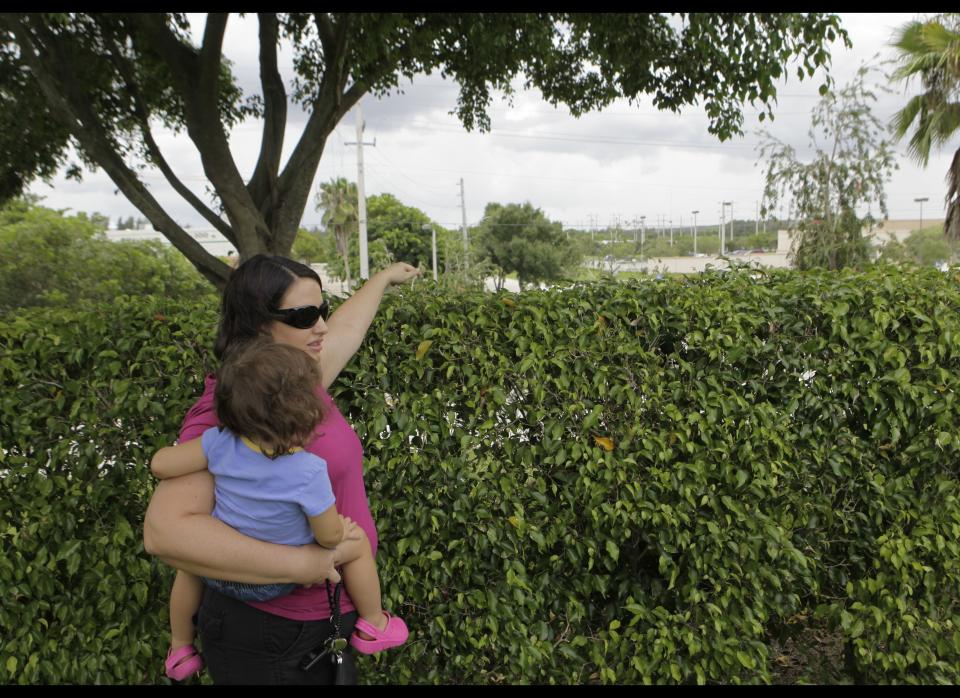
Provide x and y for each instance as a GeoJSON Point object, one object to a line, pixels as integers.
{"type": "Point", "coordinates": [184, 601]}
{"type": "Point", "coordinates": [362, 582]}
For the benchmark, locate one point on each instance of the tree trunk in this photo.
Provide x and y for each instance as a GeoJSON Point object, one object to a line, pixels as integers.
{"type": "Point", "coordinates": [951, 224]}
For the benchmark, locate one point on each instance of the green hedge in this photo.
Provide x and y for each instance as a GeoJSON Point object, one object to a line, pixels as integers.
{"type": "Point", "coordinates": [653, 482]}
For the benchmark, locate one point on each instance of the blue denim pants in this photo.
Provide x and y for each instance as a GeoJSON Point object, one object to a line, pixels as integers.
{"type": "Point", "coordinates": [249, 592]}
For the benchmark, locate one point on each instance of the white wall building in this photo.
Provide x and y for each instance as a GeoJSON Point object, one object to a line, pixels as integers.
{"type": "Point", "coordinates": [879, 235]}
{"type": "Point", "coordinates": [212, 241]}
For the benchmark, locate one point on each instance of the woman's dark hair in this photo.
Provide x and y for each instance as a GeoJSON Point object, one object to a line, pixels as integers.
{"type": "Point", "coordinates": [252, 296]}
{"type": "Point", "coordinates": [268, 393]}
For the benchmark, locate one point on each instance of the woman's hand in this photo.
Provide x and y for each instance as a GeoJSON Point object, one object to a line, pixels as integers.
{"type": "Point", "coordinates": [399, 273]}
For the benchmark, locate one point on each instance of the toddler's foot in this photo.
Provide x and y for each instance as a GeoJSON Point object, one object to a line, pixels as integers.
{"type": "Point", "coordinates": [183, 662]}
{"type": "Point", "coordinates": [370, 639]}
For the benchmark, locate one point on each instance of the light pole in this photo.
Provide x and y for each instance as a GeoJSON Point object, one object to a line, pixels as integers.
{"type": "Point", "coordinates": [723, 215]}
{"type": "Point", "coordinates": [643, 233]}
{"type": "Point", "coordinates": [695, 232]}
{"type": "Point", "coordinates": [920, 201]}
{"type": "Point", "coordinates": [433, 242]}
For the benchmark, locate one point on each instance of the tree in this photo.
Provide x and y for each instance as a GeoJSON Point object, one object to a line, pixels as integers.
{"type": "Point", "coordinates": [49, 258]}
{"type": "Point", "coordinates": [308, 247]}
{"type": "Point", "coordinates": [338, 200]}
{"type": "Point", "coordinates": [851, 163]}
{"type": "Point", "coordinates": [519, 238]}
{"type": "Point", "coordinates": [101, 83]}
{"type": "Point", "coordinates": [406, 232]}
{"type": "Point", "coordinates": [924, 247]}
{"type": "Point", "coordinates": [931, 51]}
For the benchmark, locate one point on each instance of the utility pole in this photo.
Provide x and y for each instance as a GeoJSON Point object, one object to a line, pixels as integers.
{"type": "Point", "coordinates": [671, 232]}
{"type": "Point", "coordinates": [361, 196]}
{"type": "Point", "coordinates": [643, 233]}
{"type": "Point", "coordinates": [433, 242]}
{"type": "Point", "coordinates": [463, 211]}
{"type": "Point", "coordinates": [732, 231]}
{"type": "Point", "coordinates": [756, 227]}
{"type": "Point", "coordinates": [723, 215]}
{"type": "Point", "coordinates": [920, 201]}
{"type": "Point", "coordinates": [723, 222]}
{"type": "Point", "coordinates": [695, 232]}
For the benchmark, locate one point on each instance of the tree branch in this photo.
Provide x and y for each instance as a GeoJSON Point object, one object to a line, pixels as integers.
{"type": "Point", "coordinates": [156, 156]}
{"type": "Point", "coordinates": [211, 51]}
{"type": "Point", "coordinates": [197, 81]}
{"type": "Point", "coordinates": [182, 60]}
{"type": "Point", "coordinates": [263, 184]}
{"type": "Point", "coordinates": [73, 109]}
{"type": "Point", "coordinates": [331, 105]}
{"type": "Point", "coordinates": [326, 30]}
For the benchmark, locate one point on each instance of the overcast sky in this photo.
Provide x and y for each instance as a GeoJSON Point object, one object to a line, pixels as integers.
{"type": "Point", "coordinates": [627, 161]}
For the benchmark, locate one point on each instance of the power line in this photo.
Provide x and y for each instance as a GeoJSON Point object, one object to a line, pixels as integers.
{"type": "Point", "coordinates": [579, 139]}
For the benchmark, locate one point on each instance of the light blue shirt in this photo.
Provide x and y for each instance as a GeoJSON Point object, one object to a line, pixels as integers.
{"type": "Point", "coordinates": [267, 499]}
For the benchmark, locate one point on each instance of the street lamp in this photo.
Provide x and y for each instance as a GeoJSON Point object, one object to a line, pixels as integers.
{"type": "Point", "coordinates": [695, 232]}
{"type": "Point", "coordinates": [920, 201]}
{"type": "Point", "coordinates": [433, 236]}
{"type": "Point", "coordinates": [723, 213]}
{"type": "Point", "coordinates": [643, 233]}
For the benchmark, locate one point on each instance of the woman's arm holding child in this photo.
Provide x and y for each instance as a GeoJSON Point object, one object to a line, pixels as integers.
{"type": "Point", "coordinates": [182, 459]}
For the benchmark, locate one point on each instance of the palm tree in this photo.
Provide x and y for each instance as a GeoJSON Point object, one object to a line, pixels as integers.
{"type": "Point", "coordinates": [338, 200]}
{"type": "Point", "coordinates": [931, 50]}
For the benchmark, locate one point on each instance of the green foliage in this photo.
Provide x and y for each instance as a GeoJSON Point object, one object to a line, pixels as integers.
{"type": "Point", "coordinates": [519, 238]}
{"type": "Point", "coordinates": [400, 233]}
{"type": "Point", "coordinates": [95, 84]}
{"type": "Point", "coordinates": [654, 481]}
{"type": "Point", "coordinates": [925, 247]}
{"type": "Point", "coordinates": [87, 398]}
{"type": "Point", "coordinates": [852, 162]}
{"type": "Point", "coordinates": [402, 230]}
{"type": "Point", "coordinates": [310, 247]}
{"type": "Point", "coordinates": [621, 245]}
{"type": "Point", "coordinates": [757, 241]}
{"type": "Point", "coordinates": [339, 201]}
{"type": "Point", "coordinates": [836, 243]}
{"type": "Point", "coordinates": [931, 51]}
{"type": "Point", "coordinates": [48, 258]}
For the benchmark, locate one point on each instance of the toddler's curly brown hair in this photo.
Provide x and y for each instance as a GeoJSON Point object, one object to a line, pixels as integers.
{"type": "Point", "coordinates": [267, 392]}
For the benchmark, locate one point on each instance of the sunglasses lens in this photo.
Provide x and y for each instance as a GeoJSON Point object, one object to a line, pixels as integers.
{"type": "Point", "coordinates": [305, 318]}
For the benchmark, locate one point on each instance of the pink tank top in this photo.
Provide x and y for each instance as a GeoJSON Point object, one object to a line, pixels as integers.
{"type": "Point", "coordinates": [335, 442]}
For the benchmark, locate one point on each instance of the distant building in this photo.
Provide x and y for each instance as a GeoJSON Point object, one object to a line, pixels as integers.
{"type": "Point", "coordinates": [211, 240]}
{"type": "Point", "coordinates": [879, 235]}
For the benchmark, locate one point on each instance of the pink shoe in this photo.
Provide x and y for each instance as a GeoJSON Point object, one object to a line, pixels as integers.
{"type": "Point", "coordinates": [183, 662]}
{"type": "Point", "coordinates": [394, 635]}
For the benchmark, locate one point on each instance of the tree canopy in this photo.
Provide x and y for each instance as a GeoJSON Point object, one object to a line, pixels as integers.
{"type": "Point", "coordinates": [50, 258]}
{"type": "Point", "coordinates": [520, 239]}
{"type": "Point", "coordinates": [852, 161]}
{"type": "Point", "coordinates": [102, 83]}
{"type": "Point", "coordinates": [931, 51]}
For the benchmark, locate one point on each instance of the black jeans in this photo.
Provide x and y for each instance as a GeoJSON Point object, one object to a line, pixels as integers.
{"type": "Point", "coordinates": [244, 645]}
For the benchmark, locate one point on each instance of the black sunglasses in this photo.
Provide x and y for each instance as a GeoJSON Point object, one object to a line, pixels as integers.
{"type": "Point", "coordinates": [305, 316]}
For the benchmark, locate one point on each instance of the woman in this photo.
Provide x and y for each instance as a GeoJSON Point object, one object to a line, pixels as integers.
{"type": "Point", "coordinates": [265, 642]}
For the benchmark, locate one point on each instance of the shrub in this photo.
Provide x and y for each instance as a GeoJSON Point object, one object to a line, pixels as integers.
{"type": "Point", "coordinates": [644, 482]}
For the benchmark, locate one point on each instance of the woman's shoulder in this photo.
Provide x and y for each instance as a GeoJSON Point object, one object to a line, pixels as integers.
{"type": "Point", "coordinates": [201, 415]}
